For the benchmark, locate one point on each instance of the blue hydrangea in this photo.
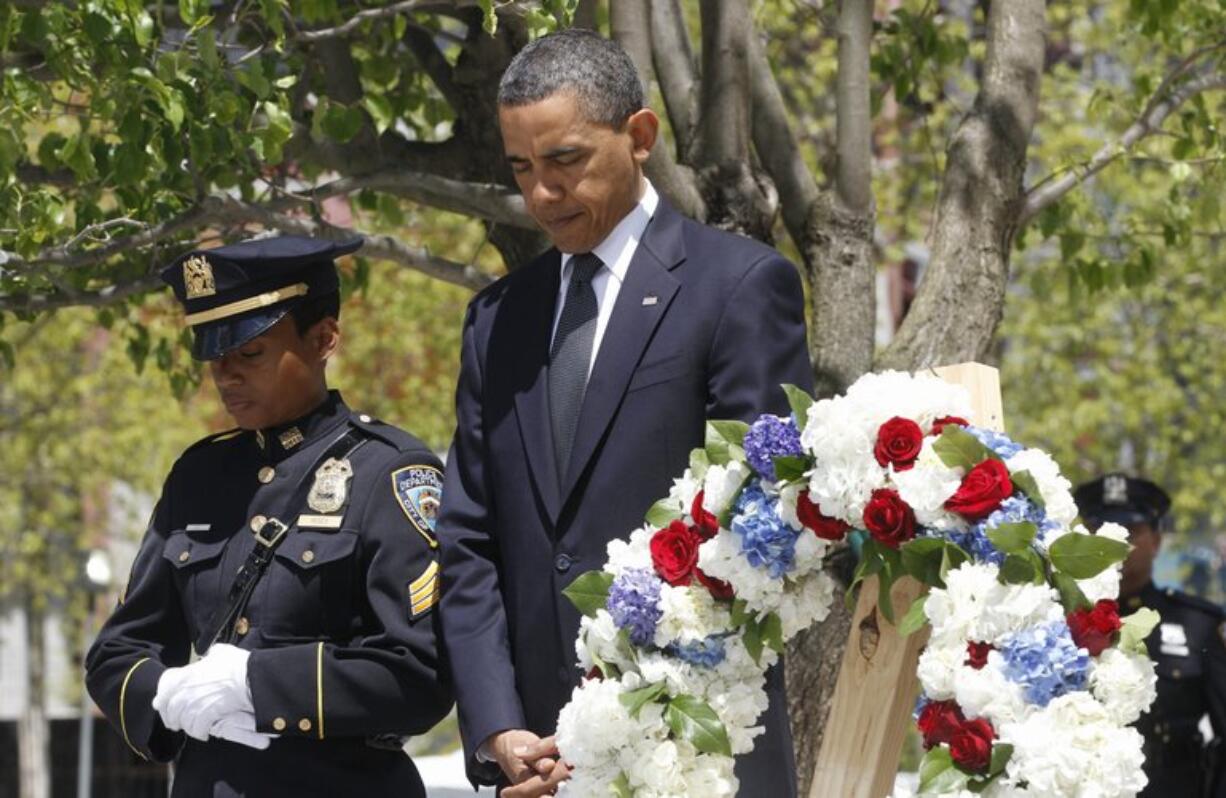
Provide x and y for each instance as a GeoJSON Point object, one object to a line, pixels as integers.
{"type": "Point", "coordinates": [634, 603]}
{"type": "Point", "coordinates": [766, 541]}
{"type": "Point", "coordinates": [770, 437]}
{"type": "Point", "coordinates": [974, 542]}
{"type": "Point", "coordinates": [1046, 662]}
{"type": "Point", "coordinates": [1002, 445]}
{"type": "Point", "coordinates": [705, 653]}
{"type": "Point", "coordinates": [920, 702]}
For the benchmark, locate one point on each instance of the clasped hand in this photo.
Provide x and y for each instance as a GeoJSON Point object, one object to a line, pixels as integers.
{"type": "Point", "coordinates": [210, 697]}
{"type": "Point", "coordinates": [530, 762]}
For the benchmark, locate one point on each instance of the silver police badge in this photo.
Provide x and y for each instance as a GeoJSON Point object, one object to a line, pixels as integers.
{"type": "Point", "coordinates": [331, 486]}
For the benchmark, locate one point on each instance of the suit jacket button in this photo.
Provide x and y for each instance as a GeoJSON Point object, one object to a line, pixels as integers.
{"type": "Point", "coordinates": [563, 562]}
{"type": "Point", "coordinates": [278, 724]}
{"type": "Point", "coordinates": [242, 626]}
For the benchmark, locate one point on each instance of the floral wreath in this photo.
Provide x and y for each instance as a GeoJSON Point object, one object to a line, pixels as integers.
{"type": "Point", "coordinates": [1030, 679]}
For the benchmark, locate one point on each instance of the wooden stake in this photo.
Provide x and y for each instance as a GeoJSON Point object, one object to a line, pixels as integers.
{"type": "Point", "coordinates": [877, 686]}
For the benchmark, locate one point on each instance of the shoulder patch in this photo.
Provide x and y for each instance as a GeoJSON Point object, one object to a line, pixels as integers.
{"type": "Point", "coordinates": [418, 490]}
{"type": "Point", "coordinates": [424, 592]}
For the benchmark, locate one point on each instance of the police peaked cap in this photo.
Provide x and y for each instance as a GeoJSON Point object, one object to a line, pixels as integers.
{"type": "Point", "coordinates": [1123, 500]}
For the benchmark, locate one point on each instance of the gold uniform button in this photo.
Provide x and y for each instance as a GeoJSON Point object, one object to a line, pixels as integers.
{"type": "Point", "coordinates": [308, 556]}
{"type": "Point", "coordinates": [242, 626]}
{"type": "Point", "coordinates": [267, 474]}
{"type": "Point", "coordinates": [304, 725]}
{"type": "Point", "coordinates": [184, 556]}
{"type": "Point", "coordinates": [258, 522]}
{"type": "Point", "coordinates": [278, 724]}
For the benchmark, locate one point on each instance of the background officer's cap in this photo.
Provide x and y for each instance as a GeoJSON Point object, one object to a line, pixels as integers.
{"type": "Point", "coordinates": [234, 293]}
{"type": "Point", "coordinates": [1123, 500]}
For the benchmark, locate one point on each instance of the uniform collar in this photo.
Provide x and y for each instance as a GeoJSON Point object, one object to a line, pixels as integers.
{"type": "Point", "coordinates": [283, 440]}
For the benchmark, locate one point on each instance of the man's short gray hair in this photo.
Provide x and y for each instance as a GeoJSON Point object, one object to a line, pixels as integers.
{"type": "Point", "coordinates": [598, 71]}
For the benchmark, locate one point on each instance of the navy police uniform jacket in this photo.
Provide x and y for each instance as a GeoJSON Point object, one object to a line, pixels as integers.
{"type": "Point", "coordinates": [1190, 658]}
{"type": "Point", "coordinates": [340, 628]}
{"type": "Point", "coordinates": [706, 325]}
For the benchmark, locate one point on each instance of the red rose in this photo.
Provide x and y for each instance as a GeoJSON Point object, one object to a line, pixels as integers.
{"type": "Point", "coordinates": [1094, 629]}
{"type": "Point", "coordinates": [971, 746]}
{"type": "Point", "coordinates": [939, 425]}
{"type": "Point", "coordinates": [899, 442]}
{"type": "Point", "coordinates": [705, 523]}
{"type": "Point", "coordinates": [595, 673]}
{"type": "Point", "coordinates": [674, 553]}
{"type": "Point", "coordinates": [938, 722]}
{"type": "Point", "coordinates": [718, 588]}
{"type": "Point", "coordinates": [823, 526]}
{"type": "Point", "coordinates": [977, 654]}
{"type": "Point", "coordinates": [982, 490]}
{"type": "Point", "coordinates": [889, 519]}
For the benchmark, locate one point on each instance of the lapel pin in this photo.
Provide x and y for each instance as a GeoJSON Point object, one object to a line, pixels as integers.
{"type": "Point", "coordinates": [650, 300]}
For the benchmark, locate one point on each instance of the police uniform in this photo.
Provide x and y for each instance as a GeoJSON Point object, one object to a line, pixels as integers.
{"type": "Point", "coordinates": [1189, 652]}
{"type": "Point", "coordinates": [343, 660]}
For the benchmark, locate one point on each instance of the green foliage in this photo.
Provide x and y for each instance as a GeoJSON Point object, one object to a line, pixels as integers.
{"type": "Point", "coordinates": [692, 719]}
{"type": "Point", "coordinates": [589, 592]}
{"type": "Point", "coordinates": [1135, 628]}
{"type": "Point", "coordinates": [1084, 556]}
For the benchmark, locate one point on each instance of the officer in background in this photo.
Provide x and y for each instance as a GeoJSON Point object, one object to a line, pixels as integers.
{"type": "Point", "coordinates": [295, 555]}
{"type": "Point", "coordinates": [1187, 646]}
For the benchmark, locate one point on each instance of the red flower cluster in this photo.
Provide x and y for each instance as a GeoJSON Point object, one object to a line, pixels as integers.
{"type": "Point", "coordinates": [977, 654]}
{"type": "Point", "coordinates": [1094, 629]}
{"type": "Point", "coordinates": [674, 551]}
{"type": "Point", "coordinates": [982, 490]}
{"type": "Point", "coordinates": [889, 519]}
{"type": "Point", "coordinates": [825, 527]}
{"type": "Point", "coordinates": [941, 423]}
{"type": "Point", "coordinates": [899, 441]}
{"type": "Point", "coordinates": [970, 741]}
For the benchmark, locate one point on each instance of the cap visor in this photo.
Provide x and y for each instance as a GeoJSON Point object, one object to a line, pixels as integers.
{"type": "Point", "coordinates": [214, 339]}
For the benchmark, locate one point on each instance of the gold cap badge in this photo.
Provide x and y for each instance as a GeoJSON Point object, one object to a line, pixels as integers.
{"type": "Point", "coordinates": [198, 277]}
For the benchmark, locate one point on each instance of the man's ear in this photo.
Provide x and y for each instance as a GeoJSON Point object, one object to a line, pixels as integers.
{"type": "Point", "coordinates": [325, 337]}
{"type": "Point", "coordinates": [643, 126]}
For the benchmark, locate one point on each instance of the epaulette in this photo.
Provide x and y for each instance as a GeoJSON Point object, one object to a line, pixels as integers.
{"type": "Point", "coordinates": [394, 436]}
{"type": "Point", "coordinates": [216, 437]}
{"type": "Point", "coordinates": [1196, 602]}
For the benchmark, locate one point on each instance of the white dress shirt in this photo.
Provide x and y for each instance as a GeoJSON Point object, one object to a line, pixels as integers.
{"type": "Point", "coordinates": [615, 253]}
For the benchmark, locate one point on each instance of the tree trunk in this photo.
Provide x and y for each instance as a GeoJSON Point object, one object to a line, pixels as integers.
{"type": "Point", "coordinates": [33, 729]}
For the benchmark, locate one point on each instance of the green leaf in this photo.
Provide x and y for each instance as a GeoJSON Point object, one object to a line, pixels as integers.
{"type": "Point", "coordinates": [589, 592]}
{"type": "Point", "coordinates": [891, 570]}
{"type": "Point", "coordinates": [717, 448]}
{"type": "Point", "coordinates": [731, 431]}
{"type": "Point", "coordinates": [957, 448]}
{"type": "Point", "coordinates": [914, 619]}
{"type": "Point", "coordinates": [752, 637]}
{"type": "Point", "coordinates": [699, 463]}
{"type": "Point", "coordinates": [341, 123]}
{"type": "Point", "coordinates": [952, 556]}
{"type": "Point", "coordinates": [635, 700]}
{"type": "Point", "coordinates": [380, 110]}
{"type": "Point", "coordinates": [1023, 481]}
{"type": "Point", "coordinates": [692, 719]}
{"type": "Point", "coordinates": [871, 563]}
{"type": "Point", "coordinates": [663, 513]}
{"type": "Point", "coordinates": [800, 402]}
{"type": "Point", "coordinates": [1001, 753]}
{"type": "Point", "coordinates": [1084, 556]}
{"type": "Point", "coordinates": [921, 558]}
{"type": "Point", "coordinates": [621, 786]}
{"type": "Point", "coordinates": [1013, 538]}
{"type": "Point", "coordinates": [490, 18]}
{"type": "Point", "coordinates": [739, 612]}
{"type": "Point", "coordinates": [1071, 596]}
{"type": "Point", "coordinates": [1135, 628]}
{"type": "Point", "coordinates": [938, 774]}
{"type": "Point", "coordinates": [253, 79]}
{"type": "Point", "coordinates": [772, 632]}
{"type": "Point", "coordinates": [1017, 570]}
{"type": "Point", "coordinates": [789, 468]}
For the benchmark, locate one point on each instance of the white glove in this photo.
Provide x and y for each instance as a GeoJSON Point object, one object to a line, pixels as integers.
{"type": "Point", "coordinates": [239, 727]}
{"type": "Point", "coordinates": [194, 697]}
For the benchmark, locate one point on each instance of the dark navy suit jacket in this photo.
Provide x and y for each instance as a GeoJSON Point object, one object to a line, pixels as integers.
{"type": "Point", "coordinates": [707, 325]}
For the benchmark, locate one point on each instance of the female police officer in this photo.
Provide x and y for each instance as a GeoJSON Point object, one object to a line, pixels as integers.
{"type": "Point", "coordinates": [295, 554]}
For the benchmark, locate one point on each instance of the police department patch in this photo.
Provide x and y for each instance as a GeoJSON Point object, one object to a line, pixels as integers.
{"type": "Point", "coordinates": [419, 489]}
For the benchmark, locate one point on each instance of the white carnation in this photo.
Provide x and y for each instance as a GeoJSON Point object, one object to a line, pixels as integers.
{"type": "Point", "coordinates": [721, 485]}
{"type": "Point", "coordinates": [1053, 487]}
{"type": "Point", "coordinates": [987, 693]}
{"type": "Point", "coordinates": [975, 606]}
{"type": "Point", "coordinates": [633, 553]}
{"type": "Point", "coordinates": [927, 486]}
{"type": "Point", "coordinates": [1125, 684]}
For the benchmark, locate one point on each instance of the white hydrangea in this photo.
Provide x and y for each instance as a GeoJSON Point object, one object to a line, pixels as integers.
{"type": "Point", "coordinates": [788, 497]}
{"type": "Point", "coordinates": [684, 489]}
{"type": "Point", "coordinates": [598, 639]}
{"type": "Point", "coordinates": [1073, 747]}
{"type": "Point", "coordinates": [927, 486]}
{"type": "Point", "coordinates": [938, 668]}
{"type": "Point", "coordinates": [721, 485]}
{"type": "Point", "coordinates": [1053, 487]}
{"type": "Point", "coordinates": [721, 558]}
{"type": "Point", "coordinates": [987, 693]}
{"type": "Point", "coordinates": [1125, 684]}
{"type": "Point", "coordinates": [689, 614]}
{"type": "Point", "coordinates": [806, 603]}
{"type": "Point", "coordinates": [975, 606]}
{"type": "Point", "coordinates": [596, 704]}
{"type": "Point", "coordinates": [633, 553]}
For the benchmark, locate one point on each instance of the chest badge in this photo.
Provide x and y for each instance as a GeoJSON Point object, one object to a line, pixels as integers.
{"type": "Point", "coordinates": [331, 486]}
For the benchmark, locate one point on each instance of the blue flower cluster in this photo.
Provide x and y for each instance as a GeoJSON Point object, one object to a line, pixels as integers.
{"type": "Point", "coordinates": [1003, 445]}
{"type": "Point", "coordinates": [766, 541]}
{"type": "Point", "coordinates": [705, 653]}
{"type": "Point", "coordinates": [974, 542]}
{"type": "Point", "coordinates": [634, 603]}
{"type": "Point", "coordinates": [770, 437]}
{"type": "Point", "coordinates": [1046, 662]}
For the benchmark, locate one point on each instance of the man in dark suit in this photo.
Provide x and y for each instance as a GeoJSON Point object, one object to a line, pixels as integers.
{"type": "Point", "coordinates": [586, 377]}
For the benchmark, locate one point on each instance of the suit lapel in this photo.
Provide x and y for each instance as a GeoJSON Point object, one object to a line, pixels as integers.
{"type": "Point", "coordinates": [530, 362]}
{"type": "Point", "coordinates": [631, 327]}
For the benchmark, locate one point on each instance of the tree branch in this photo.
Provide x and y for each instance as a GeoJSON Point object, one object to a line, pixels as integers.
{"type": "Point", "coordinates": [353, 23]}
{"type": "Point", "coordinates": [628, 21]}
{"type": "Point", "coordinates": [854, 135]}
{"type": "Point", "coordinates": [38, 303]}
{"type": "Point", "coordinates": [726, 27]}
{"type": "Point", "coordinates": [420, 42]}
{"type": "Point", "coordinates": [30, 173]}
{"type": "Point", "coordinates": [1051, 189]}
{"type": "Point", "coordinates": [674, 66]}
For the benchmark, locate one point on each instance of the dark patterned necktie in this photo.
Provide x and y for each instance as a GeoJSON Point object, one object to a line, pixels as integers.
{"type": "Point", "coordinates": [571, 356]}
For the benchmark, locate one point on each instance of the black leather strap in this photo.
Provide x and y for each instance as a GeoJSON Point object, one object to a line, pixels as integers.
{"type": "Point", "coordinates": [220, 628]}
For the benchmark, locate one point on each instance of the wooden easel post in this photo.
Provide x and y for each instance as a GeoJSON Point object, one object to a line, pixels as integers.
{"type": "Point", "coordinates": [877, 683]}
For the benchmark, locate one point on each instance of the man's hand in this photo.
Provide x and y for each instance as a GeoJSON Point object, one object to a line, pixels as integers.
{"type": "Point", "coordinates": [521, 754]}
{"type": "Point", "coordinates": [539, 784]}
{"type": "Point", "coordinates": [194, 697]}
